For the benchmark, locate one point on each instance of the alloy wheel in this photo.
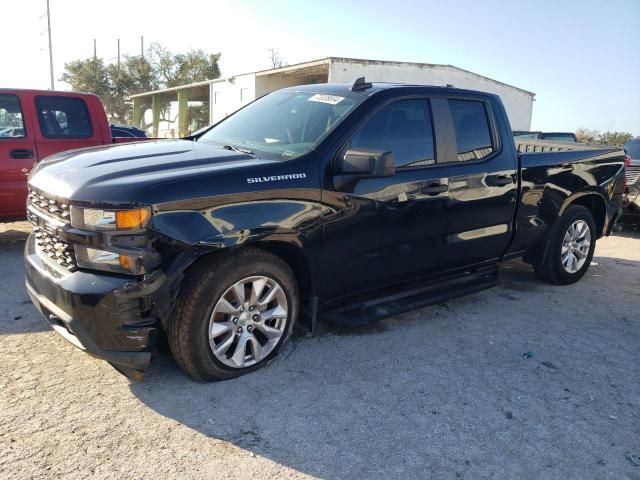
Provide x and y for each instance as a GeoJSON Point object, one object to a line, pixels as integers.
{"type": "Point", "coordinates": [575, 246]}
{"type": "Point", "coordinates": [248, 321]}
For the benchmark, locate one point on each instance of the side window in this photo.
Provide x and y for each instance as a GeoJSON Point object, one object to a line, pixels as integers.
{"type": "Point", "coordinates": [471, 125]}
{"type": "Point", "coordinates": [11, 123]}
{"type": "Point", "coordinates": [403, 127]}
{"type": "Point", "coordinates": [63, 117]}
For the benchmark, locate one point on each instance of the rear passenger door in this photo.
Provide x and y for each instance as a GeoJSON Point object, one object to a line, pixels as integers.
{"type": "Point", "coordinates": [482, 179]}
{"type": "Point", "coordinates": [64, 123]}
{"type": "Point", "coordinates": [17, 156]}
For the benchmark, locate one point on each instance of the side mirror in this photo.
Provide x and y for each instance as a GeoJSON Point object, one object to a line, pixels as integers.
{"type": "Point", "coordinates": [367, 163]}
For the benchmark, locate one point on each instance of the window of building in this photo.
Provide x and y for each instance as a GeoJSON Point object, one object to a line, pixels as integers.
{"type": "Point", "coordinates": [63, 117]}
{"type": "Point", "coordinates": [473, 135]}
{"type": "Point", "coordinates": [404, 128]}
{"type": "Point", "coordinates": [11, 123]}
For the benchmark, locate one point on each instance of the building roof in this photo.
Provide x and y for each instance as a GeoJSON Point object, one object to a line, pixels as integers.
{"type": "Point", "coordinates": [327, 61]}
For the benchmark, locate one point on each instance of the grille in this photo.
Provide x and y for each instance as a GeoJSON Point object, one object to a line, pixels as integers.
{"type": "Point", "coordinates": [57, 250]}
{"type": "Point", "coordinates": [632, 174]}
{"type": "Point", "coordinates": [50, 245]}
{"type": "Point", "coordinates": [49, 206]}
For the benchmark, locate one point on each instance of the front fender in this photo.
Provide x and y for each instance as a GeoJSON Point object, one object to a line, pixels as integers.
{"type": "Point", "coordinates": [238, 223]}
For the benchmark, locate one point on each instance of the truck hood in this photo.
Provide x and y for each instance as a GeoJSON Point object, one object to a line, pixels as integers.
{"type": "Point", "coordinates": [116, 174]}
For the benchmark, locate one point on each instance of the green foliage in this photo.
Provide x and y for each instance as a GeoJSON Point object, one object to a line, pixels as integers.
{"type": "Point", "coordinates": [159, 68]}
{"type": "Point", "coordinates": [612, 139]}
{"type": "Point", "coordinates": [88, 75]}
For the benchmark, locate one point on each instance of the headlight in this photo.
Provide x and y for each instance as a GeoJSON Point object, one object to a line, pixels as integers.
{"type": "Point", "coordinates": [94, 219]}
{"type": "Point", "coordinates": [93, 258]}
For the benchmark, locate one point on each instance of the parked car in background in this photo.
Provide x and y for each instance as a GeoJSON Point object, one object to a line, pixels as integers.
{"type": "Point", "coordinates": [127, 131]}
{"type": "Point", "coordinates": [347, 203]}
{"type": "Point", "coordinates": [12, 132]}
{"type": "Point", "coordinates": [561, 137]}
{"type": "Point", "coordinates": [632, 196]}
{"type": "Point", "coordinates": [43, 122]}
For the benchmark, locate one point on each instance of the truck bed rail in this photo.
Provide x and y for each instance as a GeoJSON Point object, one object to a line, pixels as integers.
{"type": "Point", "coordinates": [534, 146]}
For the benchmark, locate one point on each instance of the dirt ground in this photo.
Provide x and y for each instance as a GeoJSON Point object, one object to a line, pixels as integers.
{"type": "Point", "coordinates": [525, 380]}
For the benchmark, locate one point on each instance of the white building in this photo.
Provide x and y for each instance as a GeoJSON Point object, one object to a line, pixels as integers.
{"type": "Point", "coordinates": [226, 95]}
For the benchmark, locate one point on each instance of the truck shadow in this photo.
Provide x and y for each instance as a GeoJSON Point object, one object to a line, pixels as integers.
{"type": "Point", "coordinates": [420, 391]}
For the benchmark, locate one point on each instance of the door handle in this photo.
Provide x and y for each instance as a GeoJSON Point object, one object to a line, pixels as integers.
{"type": "Point", "coordinates": [20, 153]}
{"type": "Point", "coordinates": [503, 180]}
{"type": "Point", "coordinates": [435, 188]}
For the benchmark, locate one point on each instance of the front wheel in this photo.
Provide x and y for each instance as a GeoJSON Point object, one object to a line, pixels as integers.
{"type": "Point", "coordinates": [571, 243]}
{"type": "Point", "coordinates": [234, 314]}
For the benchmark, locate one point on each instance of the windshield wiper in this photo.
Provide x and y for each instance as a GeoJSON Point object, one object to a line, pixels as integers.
{"type": "Point", "coordinates": [238, 149]}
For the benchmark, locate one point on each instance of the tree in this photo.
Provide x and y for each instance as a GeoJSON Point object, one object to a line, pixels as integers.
{"type": "Point", "coordinates": [275, 58]}
{"type": "Point", "coordinates": [88, 75]}
{"type": "Point", "coordinates": [159, 68]}
{"type": "Point", "coordinates": [584, 135]}
{"type": "Point", "coordinates": [612, 139]}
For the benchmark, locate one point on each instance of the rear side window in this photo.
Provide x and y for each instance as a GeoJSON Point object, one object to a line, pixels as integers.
{"type": "Point", "coordinates": [11, 123]}
{"type": "Point", "coordinates": [404, 128]}
{"type": "Point", "coordinates": [63, 117]}
{"type": "Point", "coordinates": [473, 136]}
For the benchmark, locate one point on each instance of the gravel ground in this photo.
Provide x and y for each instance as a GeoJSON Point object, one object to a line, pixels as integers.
{"type": "Point", "coordinates": [525, 380]}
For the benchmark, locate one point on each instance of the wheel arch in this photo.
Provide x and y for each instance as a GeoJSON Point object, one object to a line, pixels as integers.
{"type": "Point", "coordinates": [592, 201]}
{"type": "Point", "coordinates": [293, 256]}
{"type": "Point", "coordinates": [291, 253]}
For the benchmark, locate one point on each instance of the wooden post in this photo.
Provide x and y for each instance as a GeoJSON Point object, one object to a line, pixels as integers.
{"type": "Point", "coordinates": [137, 112]}
{"type": "Point", "coordinates": [155, 110]}
{"type": "Point", "coordinates": [183, 127]}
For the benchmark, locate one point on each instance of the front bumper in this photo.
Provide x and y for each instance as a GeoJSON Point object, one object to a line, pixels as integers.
{"type": "Point", "coordinates": [631, 200]}
{"type": "Point", "coordinates": [107, 316]}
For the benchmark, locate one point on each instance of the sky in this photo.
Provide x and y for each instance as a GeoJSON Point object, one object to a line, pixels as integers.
{"type": "Point", "coordinates": [580, 57]}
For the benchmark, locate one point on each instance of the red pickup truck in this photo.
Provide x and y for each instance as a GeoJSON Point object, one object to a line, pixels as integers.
{"type": "Point", "coordinates": [37, 123]}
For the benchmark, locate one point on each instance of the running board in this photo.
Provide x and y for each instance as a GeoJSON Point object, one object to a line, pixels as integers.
{"type": "Point", "coordinates": [362, 313]}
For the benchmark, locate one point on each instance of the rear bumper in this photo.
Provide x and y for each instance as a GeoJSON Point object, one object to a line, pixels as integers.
{"type": "Point", "coordinates": [107, 316]}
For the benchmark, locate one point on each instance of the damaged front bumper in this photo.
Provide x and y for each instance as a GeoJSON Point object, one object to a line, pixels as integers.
{"type": "Point", "coordinates": [108, 316]}
{"type": "Point", "coordinates": [631, 205]}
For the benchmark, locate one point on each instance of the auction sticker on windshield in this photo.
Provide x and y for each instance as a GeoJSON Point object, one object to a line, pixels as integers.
{"type": "Point", "coordinates": [324, 98]}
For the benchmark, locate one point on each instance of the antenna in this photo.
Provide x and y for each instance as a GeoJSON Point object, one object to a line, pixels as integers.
{"type": "Point", "coordinates": [360, 84]}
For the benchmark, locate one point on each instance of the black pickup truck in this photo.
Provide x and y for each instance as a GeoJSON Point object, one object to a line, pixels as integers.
{"type": "Point", "coordinates": [333, 202]}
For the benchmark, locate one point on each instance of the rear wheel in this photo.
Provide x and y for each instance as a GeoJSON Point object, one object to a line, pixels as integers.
{"type": "Point", "coordinates": [571, 243]}
{"type": "Point", "coordinates": [234, 314]}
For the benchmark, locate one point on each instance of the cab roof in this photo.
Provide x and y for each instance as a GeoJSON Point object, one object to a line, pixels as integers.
{"type": "Point", "coordinates": [345, 89]}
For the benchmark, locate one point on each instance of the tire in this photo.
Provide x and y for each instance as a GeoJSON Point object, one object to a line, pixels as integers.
{"type": "Point", "coordinates": [209, 304]}
{"type": "Point", "coordinates": [550, 265]}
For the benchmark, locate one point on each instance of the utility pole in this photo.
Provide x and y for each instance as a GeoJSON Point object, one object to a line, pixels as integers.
{"type": "Point", "coordinates": [142, 46]}
{"type": "Point", "coordinates": [50, 50]}
{"type": "Point", "coordinates": [95, 50]}
{"type": "Point", "coordinates": [118, 54]}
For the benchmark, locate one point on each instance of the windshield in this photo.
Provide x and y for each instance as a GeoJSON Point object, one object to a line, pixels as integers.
{"type": "Point", "coordinates": [525, 136]}
{"type": "Point", "coordinates": [282, 125]}
{"type": "Point", "coordinates": [560, 137]}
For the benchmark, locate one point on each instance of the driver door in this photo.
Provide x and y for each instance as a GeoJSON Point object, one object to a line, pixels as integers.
{"type": "Point", "coordinates": [386, 230]}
